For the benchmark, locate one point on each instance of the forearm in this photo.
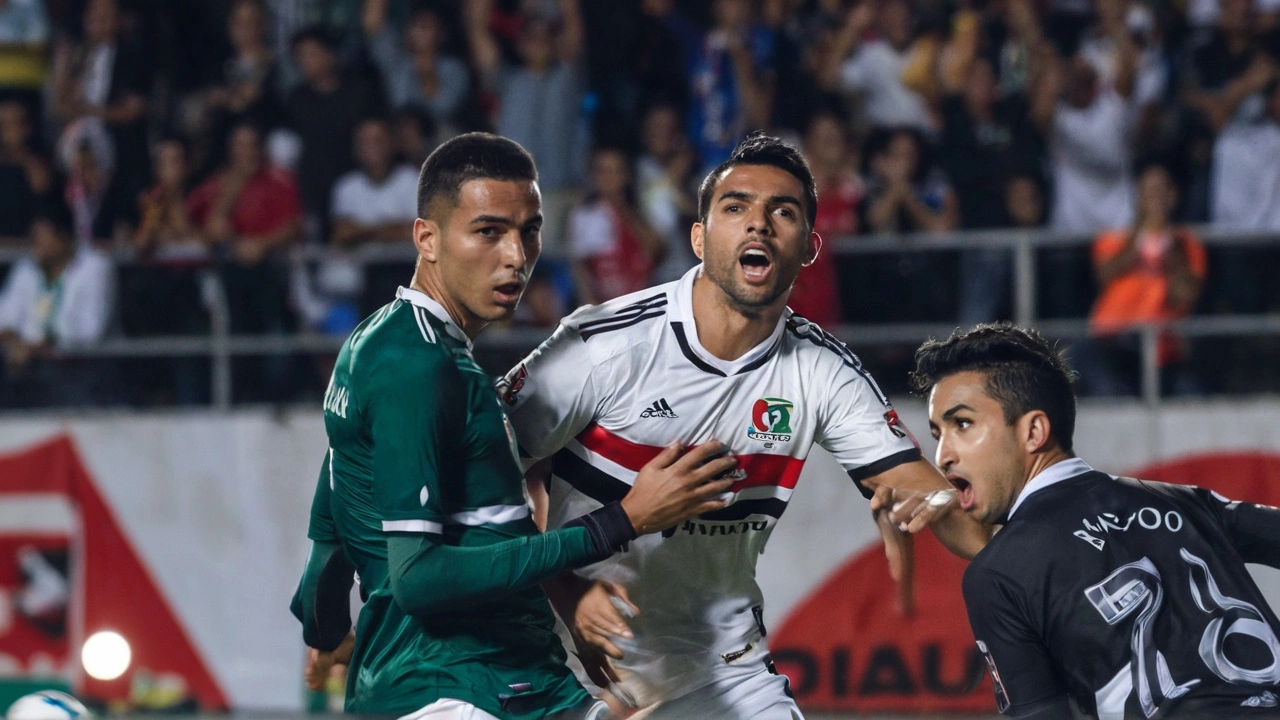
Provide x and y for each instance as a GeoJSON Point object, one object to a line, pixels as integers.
{"type": "Point", "coordinates": [322, 599]}
{"type": "Point", "coordinates": [427, 576]}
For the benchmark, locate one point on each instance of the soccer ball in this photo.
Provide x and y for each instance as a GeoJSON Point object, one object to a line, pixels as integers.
{"type": "Point", "coordinates": [46, 705]}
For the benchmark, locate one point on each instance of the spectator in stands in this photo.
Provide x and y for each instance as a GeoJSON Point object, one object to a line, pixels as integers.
{"type": "Point", "coordinates": [1151, 272]}
{"type": "Point", "coordinates": [539, 101]}
{"type": "Point", "coordinates": [1090, 123]}
{"type": "Point", "coordinates": [664, 185]}
{"type": "Point", "coordinates": [99, 206]}
{"type": "Point", "coordinates": [414, 135]}
{"type": "Point", "coordinates": [377, 202]}
{"type": "Point", "coordinates": [613, 248]}
{"type": "Point", "coordinates": [250, 210]}
{"type": "Point", "coordinates": [985, 275]}
{"type": "Point", "coordinates": [1231, 85]}
{"type": "Point", "coordinates": [905, 194]}
{"type": "Point", "coordinates": [160, 294]}
{"type": "Point", "coordinates": [106, 77]}
{"type": "Point", "coordinates": [248, 87]}
{"type": "Point", "coordinates": [816, 294]}
{"type": "Point", "coordinates": [57, 297]}
{"type": "Point", "coordinates": [874, 67]}
{"type": "Point", "coordinates": [415, 71]}
{"type": "Point", "coordinates": [1151, 75]}
{"type": "Point", "coordinates": [731, 81]}
{"type": "Point", "coordinates": [324, 110]}
{"type": "Point", "coordinates": [25, 176]}
{"type": "Point", "coordinates": [24, 37]}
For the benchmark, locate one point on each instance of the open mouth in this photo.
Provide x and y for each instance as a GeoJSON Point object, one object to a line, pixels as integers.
{"type": "Point", "coordinates": [962, 486]}
{"type": "Point", "coordinates": [756, 264]}
{"type": "Point", "coordinates": [508, 293]}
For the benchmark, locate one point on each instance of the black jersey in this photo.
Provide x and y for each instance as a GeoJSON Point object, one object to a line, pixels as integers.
{"type": "Point", "coordinates": [1132, 598]}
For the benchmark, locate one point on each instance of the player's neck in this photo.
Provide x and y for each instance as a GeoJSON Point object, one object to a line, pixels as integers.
{"type": "Point", "coordinates": [428, 283]}
{"type": "Point", "coordinates": [726, 330]}
{"type": "Point", "coordinates": [1039, 462]}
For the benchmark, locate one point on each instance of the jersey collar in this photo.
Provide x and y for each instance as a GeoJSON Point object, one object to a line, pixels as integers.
{"type": "Point", "coordinates": [1051, 475]}
{"type": "Point", "coordinates": [425, 301]}
{"type": "Point", "coordinates": [685, 328]}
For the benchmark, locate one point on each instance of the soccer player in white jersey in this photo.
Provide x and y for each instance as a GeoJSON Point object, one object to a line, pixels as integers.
{"type": "Point", "coordinates": [715, 355]}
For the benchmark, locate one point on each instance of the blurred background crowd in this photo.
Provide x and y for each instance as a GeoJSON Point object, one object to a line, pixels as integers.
{"type": "Point", "coordinates": [162, 157]}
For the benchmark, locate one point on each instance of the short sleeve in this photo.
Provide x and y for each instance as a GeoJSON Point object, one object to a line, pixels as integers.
{"type": "Point", "coordinates": [1254, 529]}
{"type": "Point", "coordinates": [1107, 246]}
{"type": "Point", "coordinates": [857, 425]}
{"type": "Point", "coordinates": [418, 416]}
{"type": "Point", "coordinates": [1021, 669]}
{"type": "Point", "coordinates": [854, 72]}
{"type": "Point", "coordinates": [550, 396]}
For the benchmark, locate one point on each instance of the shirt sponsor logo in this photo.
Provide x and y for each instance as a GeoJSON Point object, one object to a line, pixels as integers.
{"type": "Point", "coordinates": [771, 420]}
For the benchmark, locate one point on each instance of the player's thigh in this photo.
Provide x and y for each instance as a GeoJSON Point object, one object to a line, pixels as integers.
{"type": "Point", "coordinates": [449, 709]}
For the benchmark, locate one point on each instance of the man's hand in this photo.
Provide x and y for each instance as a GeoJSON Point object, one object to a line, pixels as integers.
{"type": "Point", "coordinates": [899, 550]}
{"type": "Point", "coordinates": [320, 663]}
{"type": "Point", "coordinates": [677, 485]}
{"type": "Point", "coordinates": [597, 620]}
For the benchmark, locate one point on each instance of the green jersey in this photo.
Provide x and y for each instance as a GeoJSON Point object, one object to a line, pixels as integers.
{"type": "Point", "coordinates": [420, 452]}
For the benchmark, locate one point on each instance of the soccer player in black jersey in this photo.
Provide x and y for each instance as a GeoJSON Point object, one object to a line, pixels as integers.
{"type": "Point", "coordinates": [1128, 598]}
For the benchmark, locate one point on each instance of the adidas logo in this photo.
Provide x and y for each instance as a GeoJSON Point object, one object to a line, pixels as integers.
{"type": "Point", "coordinates": [660, 408]}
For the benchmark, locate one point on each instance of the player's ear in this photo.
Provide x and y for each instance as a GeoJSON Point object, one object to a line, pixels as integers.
{"type": "Point", "coordinates": [697, 236]}
{"type": "Point", "coordinates": [1036, 432]}
{"type": "Point", "coordinates": [426, 239]}
{"type": "Point", "coordinates": [815, 247]}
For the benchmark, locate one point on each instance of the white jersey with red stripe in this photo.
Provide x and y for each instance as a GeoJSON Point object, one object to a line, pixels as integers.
{"type": "Point", "coordinates": [618, 382]}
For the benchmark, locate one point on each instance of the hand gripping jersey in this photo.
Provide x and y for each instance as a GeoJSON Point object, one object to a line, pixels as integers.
{"type": "Point", "coordinates": [1133, 598]}
{"type": "Point", "coordinates": [618, 382]}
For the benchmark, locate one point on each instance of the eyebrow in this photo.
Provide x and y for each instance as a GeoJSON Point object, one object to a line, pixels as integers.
{"type": "Point", "coordinates": [500, 220]}
{"type": "Point", "coordinates": [955, 409]}
{"type": "Point", "coordinates": [775, 199]}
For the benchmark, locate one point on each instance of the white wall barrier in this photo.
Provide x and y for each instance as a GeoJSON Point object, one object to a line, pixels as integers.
{"type": "Point", "coordinates": [216, 506]}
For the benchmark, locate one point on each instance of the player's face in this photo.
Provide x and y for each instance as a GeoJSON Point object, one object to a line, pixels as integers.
{"type": "Point", "coordinates": [486, 248]}
{"type": "Point", "coordinates": [977, 450]}
{"type": "Point", "coordinates": [755, 239]}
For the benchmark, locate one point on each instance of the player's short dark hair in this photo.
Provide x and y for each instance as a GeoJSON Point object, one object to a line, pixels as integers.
{"type": "Point", "coordinates": [1024, 372]}
{"type": "Point", "coordinates": [760, 148]}
{"type": "Point", "coordinates": [472, 156]}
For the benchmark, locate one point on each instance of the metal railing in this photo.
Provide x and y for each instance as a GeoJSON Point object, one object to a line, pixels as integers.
{"type": "Point", "coordinates": [221, 346]}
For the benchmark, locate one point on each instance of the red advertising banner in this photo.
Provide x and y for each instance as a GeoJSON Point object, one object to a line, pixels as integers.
{"type": "Point", "coordinates": [67, 571]}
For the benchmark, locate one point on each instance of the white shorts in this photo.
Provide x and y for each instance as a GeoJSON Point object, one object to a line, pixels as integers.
{"type": "Point", "coordinates": [449, 709]}
{"type": "Point", "coordinates": [748, 691]}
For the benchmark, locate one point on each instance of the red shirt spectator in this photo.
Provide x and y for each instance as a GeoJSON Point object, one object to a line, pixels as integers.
{"type": "Point", "coordinates": [266, 202]}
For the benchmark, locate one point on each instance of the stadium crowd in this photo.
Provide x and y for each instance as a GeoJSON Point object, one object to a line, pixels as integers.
{"type": "Point", "coordinates": [154, 153]}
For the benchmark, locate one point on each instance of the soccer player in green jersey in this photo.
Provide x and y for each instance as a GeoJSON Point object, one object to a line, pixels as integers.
{"type": "Point", "coordinates": [421, 492]}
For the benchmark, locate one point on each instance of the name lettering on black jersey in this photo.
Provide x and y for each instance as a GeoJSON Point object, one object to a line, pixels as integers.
{"type": "Point", "coordinates": [1148, 518]}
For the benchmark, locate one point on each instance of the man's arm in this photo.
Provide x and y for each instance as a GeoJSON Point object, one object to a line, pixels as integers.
{"type": "Point", "coordinates": [322, 600]}
{"type": "Point", "coordinates": [921, 499]}
{"type": "Point", "coordinates": [427, 575]}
